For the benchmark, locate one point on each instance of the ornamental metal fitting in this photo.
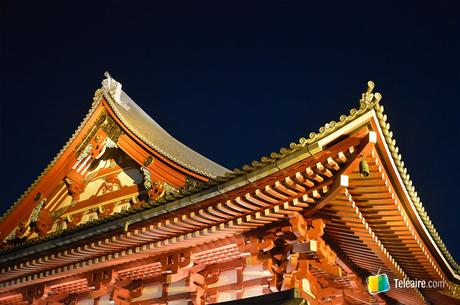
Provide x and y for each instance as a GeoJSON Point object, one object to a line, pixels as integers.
{"type": "Point", "coordinates": [148, 160]}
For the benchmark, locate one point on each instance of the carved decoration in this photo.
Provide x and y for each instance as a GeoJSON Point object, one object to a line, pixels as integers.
{"type": "Point", "coordinates": [155, 189]}
{"type": "Point", "coordinates": [106, 210]}
{"type": "Point", "coordinates": [122, 205]}
{"type": "Point", "coordinates": [84, 145]}
{"type": "Point", "coordinates": [36, 211]}
{"type": "Point", "coordinates": [97, 144]}
{"type": "Point", "coordinates": [108, 143]}
{"type": "Point", "coordinates": [61, 224]}
{"type": "Point", "coordinates": [135, 202]}
{"type": "Point", "coordinates": [105, 124]}
{"type": "Point", "coordinates": [170, 191]}
{"type": "Point", "coordinates": [89, 215]}
{"type": "Point", "coordinates": [38, 222]}
{"type": "Point", "coordinates": [74, 220]}
{"type": "Point", "coordinates": [43, 223]}
{"type": "Point", "coordinates": [110, 184]}
{"type": "Point", "coordinates": [12, 234]}
{"type": "Point", "coordinates": [111, 128]}
{"type": "Point", "coordinates": [190, 184]}
{"type": "Point", "coordinates": [75, 183]}
{"type": "Point", "coordinates": [22, 232]}
{"type": "Point", "coordinates": [147, 178]}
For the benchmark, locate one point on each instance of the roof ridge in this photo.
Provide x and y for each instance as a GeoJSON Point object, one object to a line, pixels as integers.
{"type": "Point", "coordinates": [367, 102]}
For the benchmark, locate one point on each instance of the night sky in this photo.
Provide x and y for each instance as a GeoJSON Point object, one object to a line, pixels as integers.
{"type": "Point", "coordinates": [235, 81]}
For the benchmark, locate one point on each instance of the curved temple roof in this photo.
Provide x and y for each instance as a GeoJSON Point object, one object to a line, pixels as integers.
{"type": "Point", "coordinates": [144, 127]}
{"type": "Point", "coordinates": [149, 131]}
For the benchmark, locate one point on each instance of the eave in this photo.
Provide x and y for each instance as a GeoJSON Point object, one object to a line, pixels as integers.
{"type": "Point", "coordinates": [413, 202]}
{"type": "Point", "coordinates": [209, 203]}
{"type": "Point", "coordinates": [129, 231]}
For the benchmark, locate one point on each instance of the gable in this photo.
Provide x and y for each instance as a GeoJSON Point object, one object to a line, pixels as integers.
{"type": "Point", "coordinates": [103, 169]}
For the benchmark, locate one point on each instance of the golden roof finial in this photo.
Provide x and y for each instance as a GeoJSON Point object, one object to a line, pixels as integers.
{"type": "Point", "coordinates": [370, 86]}
{"type": "Point", "coordinates": [368, 97]}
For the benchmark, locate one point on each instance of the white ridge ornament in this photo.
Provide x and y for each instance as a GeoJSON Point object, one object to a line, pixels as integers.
{"type": "Point", "coordinates": [113, 87]}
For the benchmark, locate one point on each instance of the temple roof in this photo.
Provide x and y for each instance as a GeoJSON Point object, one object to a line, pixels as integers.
{"type": "Point", "coordinates": [143, 126]}
{"type": "Point", "coordinates": [369, 110]}
{"type": "Point", "coordinates": [149, 131]}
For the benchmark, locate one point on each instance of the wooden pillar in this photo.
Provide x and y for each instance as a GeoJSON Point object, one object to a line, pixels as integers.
{"type": "Point", "coordinates": [213, 297]}
{"type": "Point", "coordinates": [239, 283]}
{"type": "Point", "coordinates": [164, 295]}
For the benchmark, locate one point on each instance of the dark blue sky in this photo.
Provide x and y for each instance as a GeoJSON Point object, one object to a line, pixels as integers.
{"type": "Point", "coordinates": [236, 81]}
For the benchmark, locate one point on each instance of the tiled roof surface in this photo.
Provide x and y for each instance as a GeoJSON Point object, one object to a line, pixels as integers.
{"type": "Point", "coordinates": [146, 129]}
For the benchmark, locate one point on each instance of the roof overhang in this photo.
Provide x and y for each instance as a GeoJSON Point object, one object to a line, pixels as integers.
{"type": "Point", "coordinates": [307, 178]}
